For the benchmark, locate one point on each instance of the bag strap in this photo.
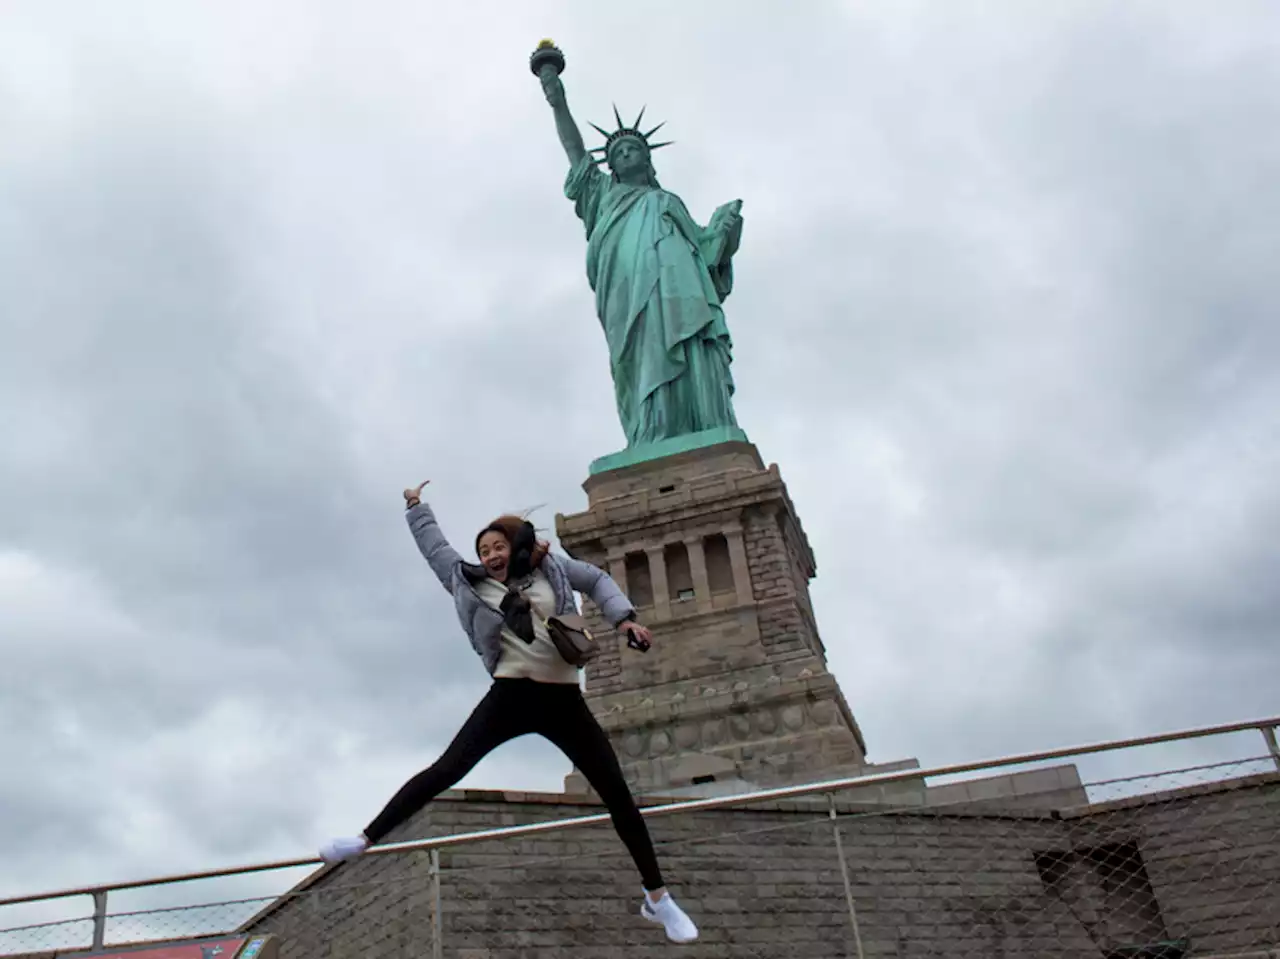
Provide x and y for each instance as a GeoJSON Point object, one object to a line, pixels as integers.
{"type": "Point", "coordinates": [533, 604]}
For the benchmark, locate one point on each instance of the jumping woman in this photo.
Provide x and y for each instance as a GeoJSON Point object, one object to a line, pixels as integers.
{"type": "Point", "coordinates": [502, 603]}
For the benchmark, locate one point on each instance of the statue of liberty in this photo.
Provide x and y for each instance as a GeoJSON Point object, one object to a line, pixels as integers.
{"type": "Point", "coordinates": [659, 277]}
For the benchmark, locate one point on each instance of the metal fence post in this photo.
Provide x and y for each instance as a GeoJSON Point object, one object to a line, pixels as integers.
{"type": "Point", "coordinates": [1269, 734]}
{"type": "Point", "coordinates": [99, 919]}
{"type": "Point", "coordinates": [323, 940]}
{"type": "Point", "coordinates": [844, 873]}
{"type": "Point", "coordinates": [437, 945]}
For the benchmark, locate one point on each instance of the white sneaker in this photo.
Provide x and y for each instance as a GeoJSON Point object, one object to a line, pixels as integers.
{"type": "Point", "coordinates": [665, 912]}
{"type": "Point", "coordinates": [339, 850]}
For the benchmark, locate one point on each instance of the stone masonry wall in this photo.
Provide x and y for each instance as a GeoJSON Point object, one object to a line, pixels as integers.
{"type": "Point", "coordinates": [783, 627]}
{"type": "Point", "coordinates": [766, 882]}
{"type": "Point", "coordinates": [1212, 856]}
{"type": "Point", "coordinates": [751, 636]}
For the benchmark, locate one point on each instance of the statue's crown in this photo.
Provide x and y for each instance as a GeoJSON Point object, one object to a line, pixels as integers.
{"type": "Point", "coordinates": [624, 130]}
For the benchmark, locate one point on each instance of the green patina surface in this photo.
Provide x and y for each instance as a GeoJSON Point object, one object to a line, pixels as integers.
{"type": "Point", "coordinates": [668, 447]}
{"type": "Point", "coordinates": [660, 279]}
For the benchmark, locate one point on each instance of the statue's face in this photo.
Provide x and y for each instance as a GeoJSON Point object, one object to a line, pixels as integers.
{"type": "Point", "coordinates": [628, 157]}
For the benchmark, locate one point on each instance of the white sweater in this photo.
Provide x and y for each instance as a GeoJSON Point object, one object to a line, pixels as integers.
{"type": "Point", "coordinates": [539, 660]}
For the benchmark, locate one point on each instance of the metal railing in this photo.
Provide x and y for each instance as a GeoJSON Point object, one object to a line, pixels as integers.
{"type": "Point", "coordinates": [100, 893]}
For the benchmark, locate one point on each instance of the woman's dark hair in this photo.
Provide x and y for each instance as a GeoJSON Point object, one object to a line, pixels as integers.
{"type": "Point", "coordinates": [527, 551]}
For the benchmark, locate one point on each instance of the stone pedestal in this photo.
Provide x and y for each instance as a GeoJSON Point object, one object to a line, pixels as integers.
{"type": "Point", "coordinates": [735, 692]}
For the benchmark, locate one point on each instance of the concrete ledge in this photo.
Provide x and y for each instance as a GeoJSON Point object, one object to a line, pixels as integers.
{"type": "Point", "coordinates": [634, 456]}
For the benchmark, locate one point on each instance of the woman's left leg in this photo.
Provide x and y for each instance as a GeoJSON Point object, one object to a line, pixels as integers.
{"type": "Point", "coordinates": [569, 724]}
{"type": "Point", "coordinates": [572, 728]}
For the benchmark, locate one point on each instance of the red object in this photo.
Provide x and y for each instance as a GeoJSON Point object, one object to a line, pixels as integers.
{"type": "Point", "coordinates": [208, 949]}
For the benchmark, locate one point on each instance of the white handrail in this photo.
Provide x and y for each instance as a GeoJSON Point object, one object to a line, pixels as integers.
{"type": "Point", "coordinates": [1265, 726]}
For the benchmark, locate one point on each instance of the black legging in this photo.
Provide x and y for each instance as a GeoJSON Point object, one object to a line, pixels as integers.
{"type": "Point", "coordinates": [557, 711]}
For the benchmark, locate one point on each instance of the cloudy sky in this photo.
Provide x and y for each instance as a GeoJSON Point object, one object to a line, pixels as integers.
{"type": "Point", "coordinates": [1005, 316]}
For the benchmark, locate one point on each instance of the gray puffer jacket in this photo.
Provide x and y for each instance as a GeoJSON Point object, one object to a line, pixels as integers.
{"type": "Point", "coordinates": [483, 623]}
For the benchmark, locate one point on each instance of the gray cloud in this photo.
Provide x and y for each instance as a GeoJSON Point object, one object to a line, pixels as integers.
{"type": "Point", "coordinates": [1003, 317]}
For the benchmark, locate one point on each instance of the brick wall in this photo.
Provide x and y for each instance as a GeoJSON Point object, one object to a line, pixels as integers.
{"type": "Point", "coordinates": [783, 628]}
{"type": "Point", "coordinates": [955, 882]}
{"type": "Point", "coordinates": [1213, 858]}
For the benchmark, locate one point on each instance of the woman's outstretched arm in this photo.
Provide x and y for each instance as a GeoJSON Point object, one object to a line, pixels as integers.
{"type": "Point", "coordinates": [600, 587]}
{"type": "Point", "coordinates": [442, 558]}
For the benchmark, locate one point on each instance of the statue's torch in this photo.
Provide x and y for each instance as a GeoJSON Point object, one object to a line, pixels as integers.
{"type": "Point", "coordinates": [547, 57]}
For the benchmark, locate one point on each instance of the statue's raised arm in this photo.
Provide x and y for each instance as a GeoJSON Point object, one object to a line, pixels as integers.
{"type": "Point", "coordinates": [547, 63]}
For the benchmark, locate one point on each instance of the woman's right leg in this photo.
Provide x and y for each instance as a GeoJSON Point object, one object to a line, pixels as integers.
{"type": "Point", "coordinates": [569, 724]}
{"type": "Point", "coordinates": [492, 723]}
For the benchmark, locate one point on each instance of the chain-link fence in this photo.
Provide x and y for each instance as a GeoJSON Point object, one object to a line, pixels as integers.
{"type": "Point", "coordinates": [1161, 866]}
{"type": "Point", "coordinates": [127, 928]}
{"type": "Point", "coordinates": [1169, 864]}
